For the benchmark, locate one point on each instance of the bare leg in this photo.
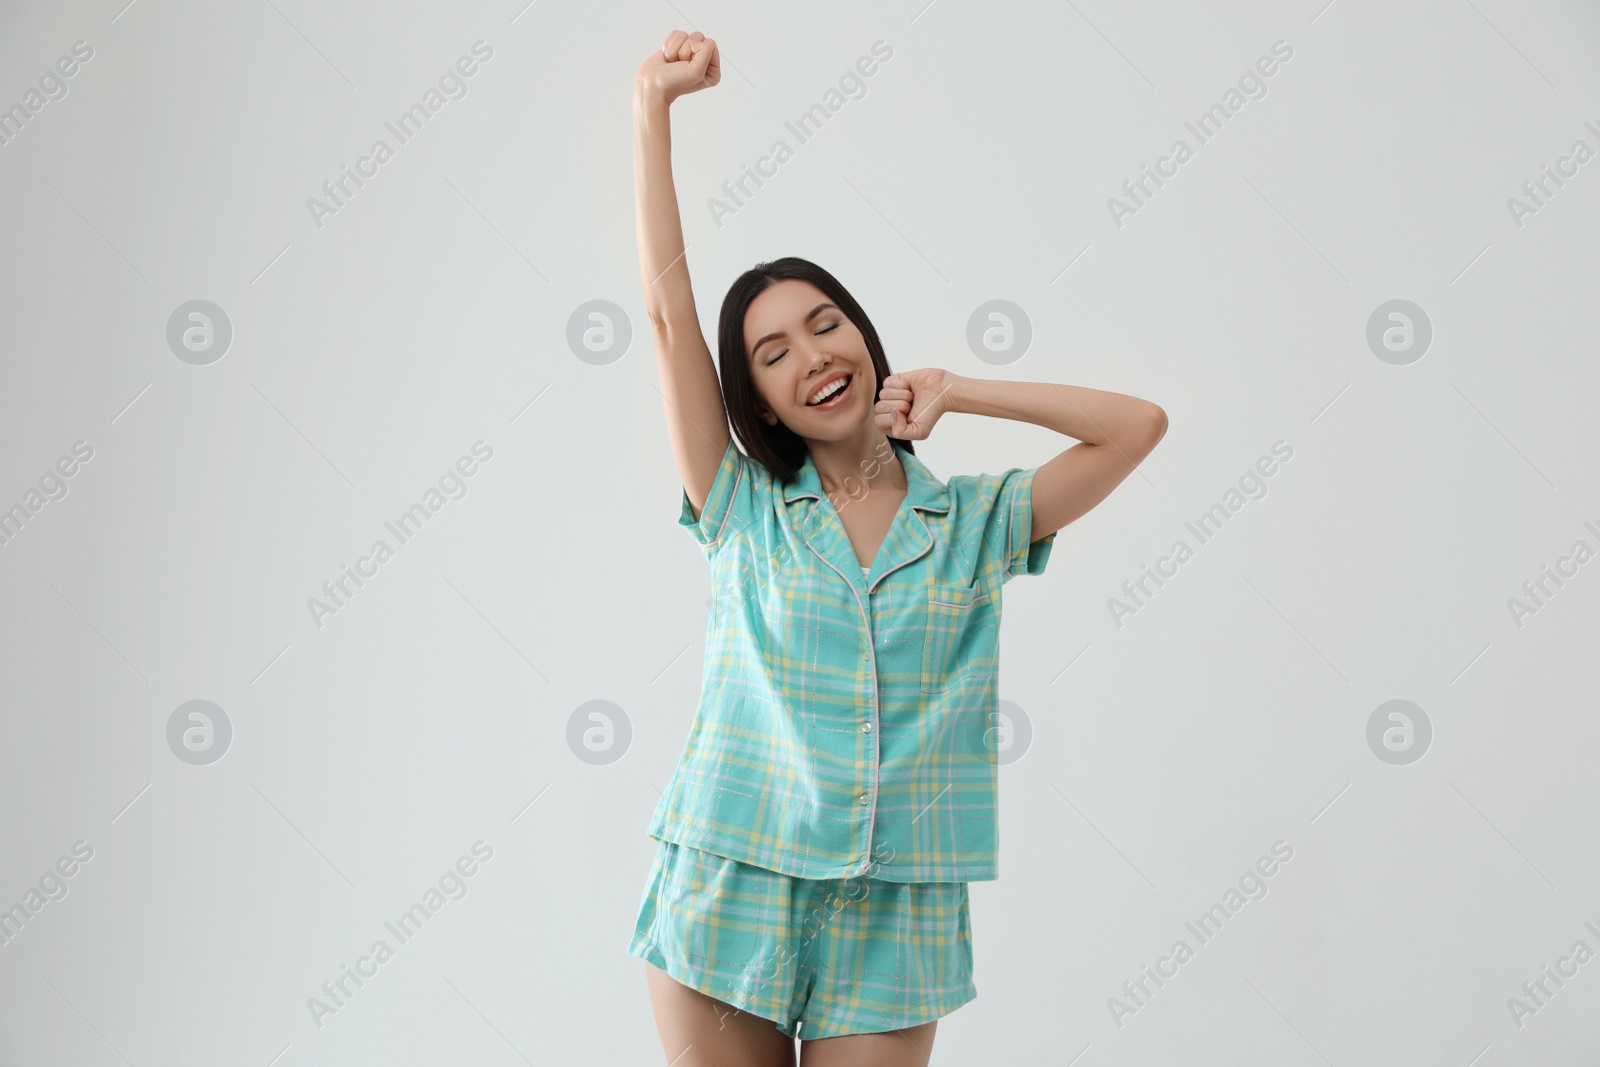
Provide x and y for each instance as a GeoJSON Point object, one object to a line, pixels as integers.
{"type": "Point", "coordinates": [701, 1031]}
{"type": "Point", "coordinates": [911, 1047]}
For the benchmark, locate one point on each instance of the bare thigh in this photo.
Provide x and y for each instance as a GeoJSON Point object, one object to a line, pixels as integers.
{"type": "Point", "coordinates": [701, 1031]}
{"type": "Point", "coordinates": [910, 1047]}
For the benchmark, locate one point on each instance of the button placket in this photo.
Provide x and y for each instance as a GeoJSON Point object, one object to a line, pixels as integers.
{"type": "Point", "coordinates": [869, 658]}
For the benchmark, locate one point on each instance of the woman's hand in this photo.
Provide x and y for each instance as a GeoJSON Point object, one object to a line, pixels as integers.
{"type": "Point", "coordinates": [686, 63]}
{"type": "Point", "coordinates": [911, 402]}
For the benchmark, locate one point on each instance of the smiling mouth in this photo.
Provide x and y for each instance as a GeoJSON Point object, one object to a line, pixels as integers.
{"type": "Point", "coordinates": [833, 393]}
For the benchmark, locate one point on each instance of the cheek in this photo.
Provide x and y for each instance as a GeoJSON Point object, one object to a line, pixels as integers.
{"type": "Point", "coordinates": [761, 388]}
{"type": "Point", "coordinates": [774, 388]}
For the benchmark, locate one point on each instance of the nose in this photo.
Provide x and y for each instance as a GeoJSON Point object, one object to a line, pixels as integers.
{"type": "Point", "coordinates": [819, 360]}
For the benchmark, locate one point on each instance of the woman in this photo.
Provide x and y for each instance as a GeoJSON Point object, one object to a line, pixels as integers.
{"type": "Point", "coordinates": [837, 789]}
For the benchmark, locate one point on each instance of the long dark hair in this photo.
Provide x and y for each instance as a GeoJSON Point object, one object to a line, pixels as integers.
{"type": "Point", "coordinates": [777, 448]}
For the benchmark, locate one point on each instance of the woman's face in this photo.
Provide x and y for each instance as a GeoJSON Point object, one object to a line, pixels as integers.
{"type": "Point", "coordinates": [801, 347]}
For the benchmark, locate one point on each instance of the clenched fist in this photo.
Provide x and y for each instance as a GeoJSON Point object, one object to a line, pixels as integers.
{"type": "Point", "coordinates": [686, 63]}
{"type": "Point", "coordinates": [911, 402]}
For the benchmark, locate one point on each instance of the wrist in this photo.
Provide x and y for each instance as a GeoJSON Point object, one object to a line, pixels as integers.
{"type": "Point", "coordinates": [649, 102]}
{"type": "Point", "coordinates": [958, 392]}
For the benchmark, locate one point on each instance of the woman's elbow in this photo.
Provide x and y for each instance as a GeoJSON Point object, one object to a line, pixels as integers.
{"type": "Point", "coordinates": [1155, 425]}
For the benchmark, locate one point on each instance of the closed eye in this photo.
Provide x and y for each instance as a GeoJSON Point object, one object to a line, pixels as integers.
{"type": "Point", "coordinates": [826, 329]}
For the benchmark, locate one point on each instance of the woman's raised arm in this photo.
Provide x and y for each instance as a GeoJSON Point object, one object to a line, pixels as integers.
{"type": "Point", "coordinates": [697, 422]}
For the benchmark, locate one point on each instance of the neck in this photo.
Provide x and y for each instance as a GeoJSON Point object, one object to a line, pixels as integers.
{"type": "Point", "coordinates": [864, 458]}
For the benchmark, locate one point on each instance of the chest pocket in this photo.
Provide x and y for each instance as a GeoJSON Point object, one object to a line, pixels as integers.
{"type": "Point", "coordinates": [951, 610]}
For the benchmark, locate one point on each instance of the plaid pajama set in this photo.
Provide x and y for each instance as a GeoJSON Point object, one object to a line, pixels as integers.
{"type": "Point", "coordinates": [838, 788]}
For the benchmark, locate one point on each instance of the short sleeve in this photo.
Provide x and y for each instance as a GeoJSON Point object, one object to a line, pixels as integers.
{"type": "Point", "coordinates": [730, 505]}
{"type": "Point", "coordinates": [994, 514]}
{"type": "Point", "coordinates": [1015, 504]}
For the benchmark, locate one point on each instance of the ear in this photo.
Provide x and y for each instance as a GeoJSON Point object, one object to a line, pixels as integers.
{"type": "Point", "coordinates": [768, 417]}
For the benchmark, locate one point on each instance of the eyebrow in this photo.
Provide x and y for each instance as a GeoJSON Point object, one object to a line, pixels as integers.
{"type": "Point", "coordinates": [813, 313]}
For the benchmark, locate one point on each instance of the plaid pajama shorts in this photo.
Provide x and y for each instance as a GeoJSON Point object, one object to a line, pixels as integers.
{"type": "Point", "coordinates": [818, 957]}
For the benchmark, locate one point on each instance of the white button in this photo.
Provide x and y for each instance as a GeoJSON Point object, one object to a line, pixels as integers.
{"type": "Point", "coordinates": [863, 798]}
{"type": "Point", "coordinates": [866, 727]}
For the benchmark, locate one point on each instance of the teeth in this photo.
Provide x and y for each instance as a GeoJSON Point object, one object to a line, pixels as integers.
{"type": "Point", "coordinates": [830, 392]}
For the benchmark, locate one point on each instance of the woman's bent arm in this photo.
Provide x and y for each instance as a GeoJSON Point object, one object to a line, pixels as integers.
{"type": "Point", "coordinates": [697, 422]}
{"type": "Point", "coordinates": [1117, 432]}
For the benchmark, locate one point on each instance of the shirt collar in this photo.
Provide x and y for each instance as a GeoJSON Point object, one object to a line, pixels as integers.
{"type": "Point", "coordinates": [923, 490]}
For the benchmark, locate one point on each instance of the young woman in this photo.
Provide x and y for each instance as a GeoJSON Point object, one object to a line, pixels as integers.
{"type": "Point", "coordinates": [837, 789]}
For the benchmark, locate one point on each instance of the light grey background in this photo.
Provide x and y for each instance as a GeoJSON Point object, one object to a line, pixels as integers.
{"type": "Point", "coordinates": [431, 711]}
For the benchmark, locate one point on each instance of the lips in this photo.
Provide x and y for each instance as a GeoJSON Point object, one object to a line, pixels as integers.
{"type": "Point", "coordinates": [834, 389]}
